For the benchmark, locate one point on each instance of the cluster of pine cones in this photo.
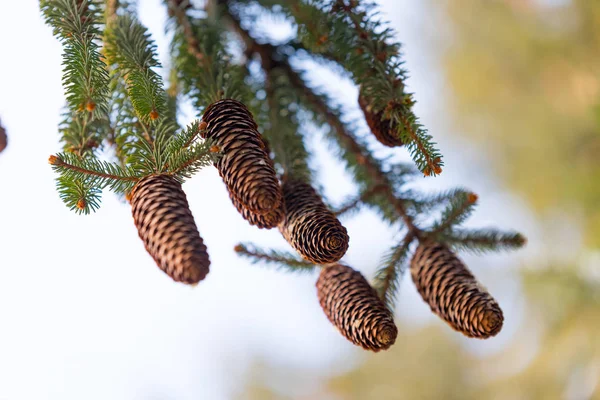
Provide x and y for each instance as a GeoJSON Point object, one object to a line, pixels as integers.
{"type": "Point", "coordinates": [165, 224]}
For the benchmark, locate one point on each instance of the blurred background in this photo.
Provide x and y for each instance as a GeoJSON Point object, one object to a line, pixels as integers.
{"type": "Point", "coordinates": [511, 91]}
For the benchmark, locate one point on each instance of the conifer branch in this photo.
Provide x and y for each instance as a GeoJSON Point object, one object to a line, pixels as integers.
{"type": "Point", "coordinates": [355, 202]}
{"type": "Point", "coordinates": [387, 278]}
{"type": "Point", "coordinates": [78, 196]}
{"type": "Point", "coordinates": [320, 106]}
{"type": "Point", "coordinates": [93, 172]}
{"type": "Point", "coordinates": [84, 75]}
{"type": "Point", "coordinates": [351, 34]}
{"type": "Point", "coordinates": [279, 258]}
{"type": "Point", "coordinates": [129, 47]}
{"type": "Point", "coordinates": [462, 204]}
{"type": "Point", "coordinates": [203, 64]}
{"type": "Point", "coordinates": [283, 130]}
{"type": "Point", "coordinates": [177, 8]}
{"type": "Point", "coordinates": [481, 241]}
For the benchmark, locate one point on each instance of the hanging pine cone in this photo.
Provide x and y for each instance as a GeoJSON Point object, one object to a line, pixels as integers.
{"type": "Point", "coordinates": [353, 306]}
{"type": "Point", "coordinates": [245, 165]}
{"type": "Point", "coordinates": [309, 226]}
{"type": "Point", "coordinates": [381, 128]}
{"type": "Point", "coordinates": [453, 293]}
{"type": "Point", "coordinates": [3, 139]}
{"type": "Point", "coordinates": [164, 221]}
{"type": "Point", "coordinates": [266, 221]}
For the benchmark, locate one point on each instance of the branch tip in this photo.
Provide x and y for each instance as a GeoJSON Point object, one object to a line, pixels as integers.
{"type": "Point", "coordinates": [53, 160]}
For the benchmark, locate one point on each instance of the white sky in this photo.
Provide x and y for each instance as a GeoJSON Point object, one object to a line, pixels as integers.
{"type": "Point", "coordinates": [86, 314]}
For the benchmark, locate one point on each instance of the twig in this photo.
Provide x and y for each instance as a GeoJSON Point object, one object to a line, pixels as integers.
{"type": "Point", "coordinates": [177, 9]}
{"type": "Point", "coordinates": [390, 272]}
{"type": "Point", "coordinates": [272, 257]}
{"type": "Point", "coordinates": [58, 162]}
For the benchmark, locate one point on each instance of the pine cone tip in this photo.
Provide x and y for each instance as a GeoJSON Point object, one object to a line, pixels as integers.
{"type": "Point", "coordinates": [387, 336]}
{"type": "Point", "coordinates": [492, 321]}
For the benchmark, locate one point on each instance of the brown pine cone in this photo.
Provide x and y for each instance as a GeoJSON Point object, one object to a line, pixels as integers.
{"type": "Point", "coordinates": [309, 226]}
{"type": "Point", "coordinates": [266, 221]}
{"type": "Point", "coordinates": [165, 223]}
{"type": "Point", "coordinates": [245, 165]}
{"type": "Point", "coordinates": [3, 139]}
{"type": "Point", "coordinates": [453, 293]}
{"type": "Point", "coordinates": [353, 306]}
{"type": "Point", "coordinates": [381, 128]}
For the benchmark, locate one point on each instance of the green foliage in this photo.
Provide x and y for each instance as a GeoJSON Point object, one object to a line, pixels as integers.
{"type": "Point", "coordinates": [129, 47]}
{"type": "Point", "coordinates": [78, 196]}
{"type": "Point", "coordinates": [461, 206]}
{"type": "Point", "coordinates": [481, 241]}
{"type": "Point", "coordinates": [76, 24]}
{"type": "Point", "coordinates": [135, 118]}
{"type": "Point", "coordinates": [81, 134]}
{"type": "Point", "coordinates": [355, 37]}
{"type": "Point", "coordinates": [122, 111]}
{"type": "Point", "coordinates": [92, 172]}
{"type": "Point", "coordinates": [283, 129]}
{"type": "Point", "coordinates": [387, 278]}
{"type": "Point", "coordinates": [201, 61]}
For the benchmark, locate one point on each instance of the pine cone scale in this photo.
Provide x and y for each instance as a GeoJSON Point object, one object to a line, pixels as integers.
{"type": "Point", "coordinates": [165, 224]}
{"type": "Point", "coordinates": [453, 293]}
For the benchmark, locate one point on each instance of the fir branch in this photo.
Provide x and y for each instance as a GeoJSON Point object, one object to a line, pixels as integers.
{"type": "Point", "coordinates": [85, 76]}
{"type": "Point", "coordinates": [128, 45]}
{"type": "Point", "coordinates": [282, 133]}
{"type": "Point", "coordinates": [184, 160]}
{"type": "Point", "coordinates": [364, 166]}
{"type": "Point", "coordinates": [357, 156]}
{"type": "Point", "coordinates": [355, 202]}
{"type": "Point", "coordinates": [283, 260]}
{"type": "Point", "coordinates": [93, 173]}
{"type": "Point", "coordinates": [352, 35]}
{"type": "Point", "coordinates": [78, 196]}
{"type": "Point", "coordinates": [123, 120]}
{"type": "Point", "coordinates": [387, 278]}
{"type": "Point", "coordinates": [481, 241]}
{"type": "Point", "coordinates": [147, 157]}
{"type": "Point", "coordinates": [462, 205]}
{"type": "Point", "coordinates": [201, 59]}
{"type": "Point", "coordinates": [81, 134]}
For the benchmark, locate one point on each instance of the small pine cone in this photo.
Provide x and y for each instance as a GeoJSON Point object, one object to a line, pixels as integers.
{"type": "Point", "coordinates": [266, 221]}
{"type": "Point", "coordinates": [245, 165]}
{"type": "Point", "coordinates": [453, 293]}
{"type": "Point", "coordinates": [165, 223]}
{"type": "Point", "coordinates": [310, 227]}
{"type": "Point", "coordinates": [381, 128]}
{"type": "Point", "coordinates": [3, 139]}
{"type": "Point", "coordinates": [353, 306]}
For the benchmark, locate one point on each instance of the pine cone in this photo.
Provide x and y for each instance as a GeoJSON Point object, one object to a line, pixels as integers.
{"type": "Point", "coordinates": [266, 221]}
{"type": "Point", "coordinates": [453, 293]}
{"type": "Point", "coordinates": [381, 128]}
{"type": "Point", "coordinates": [3, 139]}
{"type": "Point", "coordinates": [352, 305]}
{"type": "Point", "coordinates": [165, 223]}
{"type": "Point", "coordinates": [310, 227]}
{"type": "Point", "coordinates": [245, 165]}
